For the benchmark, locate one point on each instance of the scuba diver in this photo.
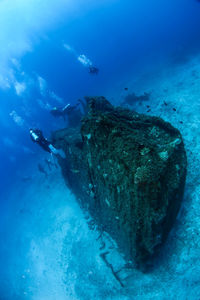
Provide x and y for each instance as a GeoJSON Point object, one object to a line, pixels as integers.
{"type": "Point", "coordinates": [37, 137]}
{"type": "Point", "coordinates": [93, 70]}
{"type": "Point", "coordinates": [50, 164]}
{"type": "Point", "coordinates": [42, 170]}
{"type": "Point", "coordinates": [56, 112]}
{"type": "Point", "coordinates": [72, 113]}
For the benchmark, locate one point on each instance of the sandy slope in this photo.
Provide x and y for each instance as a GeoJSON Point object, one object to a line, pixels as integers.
{"type": "Point", "coordinates": [175, 96]}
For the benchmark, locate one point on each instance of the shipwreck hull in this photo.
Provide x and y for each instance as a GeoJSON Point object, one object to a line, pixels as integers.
{"type": "Point", "coordinates": [128, 171]}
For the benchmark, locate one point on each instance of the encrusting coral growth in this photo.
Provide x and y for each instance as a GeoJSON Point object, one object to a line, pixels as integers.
{"type": "Point", "coordinates": [128, 170]}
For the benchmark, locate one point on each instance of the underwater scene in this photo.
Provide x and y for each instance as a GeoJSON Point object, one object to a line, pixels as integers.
{"type": "Point", "coordinates": [100, 150]}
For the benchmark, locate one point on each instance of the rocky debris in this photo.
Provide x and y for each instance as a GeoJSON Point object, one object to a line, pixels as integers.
{"type": "Point", "coordinates": [128, 171]}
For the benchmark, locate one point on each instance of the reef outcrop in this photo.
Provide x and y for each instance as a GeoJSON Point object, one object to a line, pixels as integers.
{"type": "Point", "coordinates": [128, 170]}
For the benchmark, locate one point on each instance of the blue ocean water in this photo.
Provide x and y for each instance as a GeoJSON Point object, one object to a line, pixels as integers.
{"type": "Point", "coordinates": [122, 39]}
{"type": "Point", "coordinates": [132, 43]}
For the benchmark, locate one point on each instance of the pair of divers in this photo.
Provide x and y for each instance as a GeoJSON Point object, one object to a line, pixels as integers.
{"type": "Point", "coordinates": [73, 114]}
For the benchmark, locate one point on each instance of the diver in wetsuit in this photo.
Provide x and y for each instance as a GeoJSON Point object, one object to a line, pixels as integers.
{"type": "Point", "coordinates": [72, 113]}
{"type": "Point", "coordinates": [56, 112]}
{"type": "Point", "coordinates": [93, 70]}
{"type": "Point", "coordinates": [37, 137]}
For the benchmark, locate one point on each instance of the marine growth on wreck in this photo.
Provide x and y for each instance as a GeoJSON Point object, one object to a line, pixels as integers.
{"type": "Point", "coordinates": [128, 171]}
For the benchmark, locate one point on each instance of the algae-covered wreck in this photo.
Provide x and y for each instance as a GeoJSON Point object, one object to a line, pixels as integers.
{"type": "Point", "coordinates": [128, 170]}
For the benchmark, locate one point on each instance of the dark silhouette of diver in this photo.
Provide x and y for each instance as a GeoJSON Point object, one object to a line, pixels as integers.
{"type": "Point", "coordinates": [93, 70]}
{"type": "Point", "coordinates": [57, 112]}
{"type": "Point", "coordinates": [72, 112]}
{"type": "Point", "coordinates": [37, 137]}
{"type": "Point", "coordinates": [42, 170]}
{"type": "Point", "coordinates": [50, 164]}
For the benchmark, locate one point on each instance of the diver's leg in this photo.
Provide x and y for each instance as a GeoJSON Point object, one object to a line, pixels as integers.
{"type": "Point", "coordinates": [57, 151]}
